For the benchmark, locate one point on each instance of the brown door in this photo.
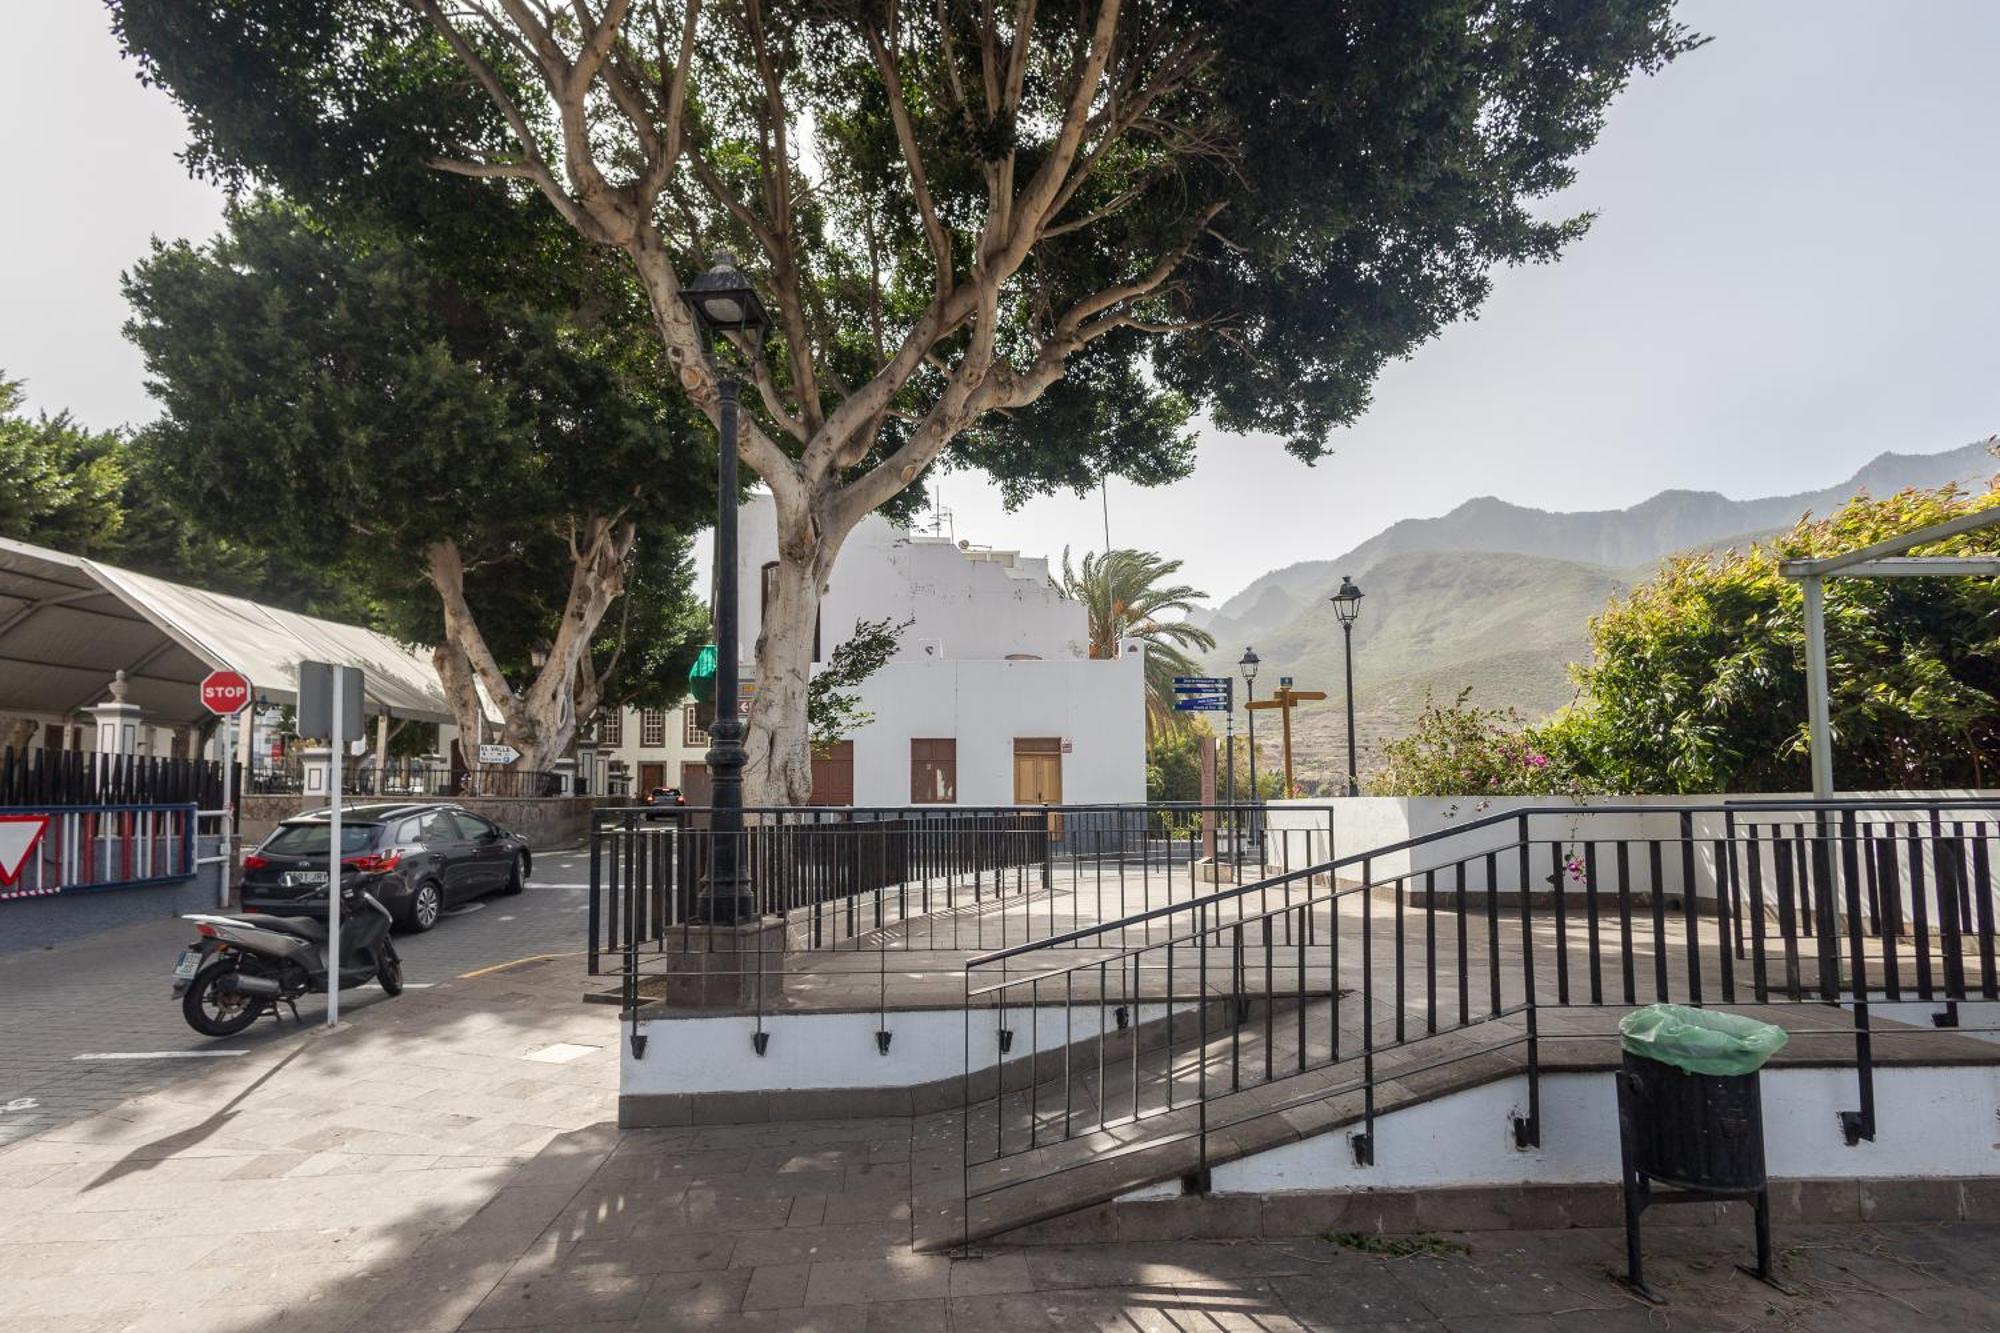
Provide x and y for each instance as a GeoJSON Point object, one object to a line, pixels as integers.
{"type": "Point", "coordinates": [1038, 775]}
{"type": "Point", "coordinates": [833, 775]}
{"type": "Point", "coordinates": [694, 784]}
{"type": "Point", "coordinates": [651, 776]}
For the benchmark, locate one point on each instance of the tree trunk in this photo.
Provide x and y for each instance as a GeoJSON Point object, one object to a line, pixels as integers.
{"type": "Point", "coordinates": [539, 721]}
{"type": "Point", "coordinates": [779, 769]}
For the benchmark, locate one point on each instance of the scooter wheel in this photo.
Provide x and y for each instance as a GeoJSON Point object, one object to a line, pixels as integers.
{"type": "Point", "coordinates": [389, 974]}
{"type": "Point", "coordinates": [214, 1012]}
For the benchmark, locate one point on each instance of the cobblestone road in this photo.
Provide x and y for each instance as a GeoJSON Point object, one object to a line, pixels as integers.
{"type": "Point", "coordinates": [109, 995]}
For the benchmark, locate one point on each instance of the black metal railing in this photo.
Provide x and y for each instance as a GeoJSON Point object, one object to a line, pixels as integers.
{"type": "Point", "coordinates": [413, 779]}
{"type": "Point", "coordinates": [1155, 1032]}
{"type": "Point", "coordinates": [58, 778]}
{"type": "Point", "coordinates": [927, 887]}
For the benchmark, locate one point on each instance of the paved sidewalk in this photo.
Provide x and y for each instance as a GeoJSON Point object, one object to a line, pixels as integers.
{"type": "Point", "coordinates": [110, 995]}
{"type": "Point", "coordinates": [449, 1162]}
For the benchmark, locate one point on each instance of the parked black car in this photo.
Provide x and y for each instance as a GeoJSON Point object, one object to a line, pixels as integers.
{"type": "Point", "coordinates": [664, 801]}
{"type": "Point", "coordinates": [416, 858]}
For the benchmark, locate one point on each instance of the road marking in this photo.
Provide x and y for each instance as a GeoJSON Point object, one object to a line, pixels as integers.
{"type": "Point", "coordinates": [531, 958]}
{"type": "Point", "coordinates": [561, 1052]}
{"type": "Point", "coordinates": [156, 1055]}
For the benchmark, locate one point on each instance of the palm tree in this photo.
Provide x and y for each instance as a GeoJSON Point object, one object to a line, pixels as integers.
{"type": "Point", "coordinates": [1126, 594]}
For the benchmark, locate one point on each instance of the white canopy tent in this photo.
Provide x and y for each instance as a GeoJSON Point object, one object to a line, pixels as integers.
{"type": "Point", "coordinates": [67, 624]}
{"type": "Point", "coordinates": [1885, 559]}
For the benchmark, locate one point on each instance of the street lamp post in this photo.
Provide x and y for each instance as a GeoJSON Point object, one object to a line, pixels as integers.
{"type": "Point", "coordinates": [1347, 605]}
{"type": "Point", "coordinates": [1248, 665]}
{"type": "Point", "coordinates": [723, 302]}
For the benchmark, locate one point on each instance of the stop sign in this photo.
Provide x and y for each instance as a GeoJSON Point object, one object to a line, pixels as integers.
{"type": "Point", "coordinates": [225, 693]}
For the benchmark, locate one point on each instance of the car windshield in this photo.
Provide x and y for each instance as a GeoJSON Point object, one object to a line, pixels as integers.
{"type": "Point", "coordinates": [311, 839]}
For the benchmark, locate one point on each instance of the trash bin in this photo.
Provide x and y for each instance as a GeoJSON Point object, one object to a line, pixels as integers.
{"type": "Point", "coordinates": [1690, 1117]}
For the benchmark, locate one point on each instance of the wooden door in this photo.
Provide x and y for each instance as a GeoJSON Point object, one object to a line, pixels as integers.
{"type": "Point", "coordinates": [833, 775]}
{"type": "Point", "coordinates": [695, 785]}
{"type": "Point", "coordinates": [651, 776]}
{"type": "Point", "coordinates": [1038, 775]}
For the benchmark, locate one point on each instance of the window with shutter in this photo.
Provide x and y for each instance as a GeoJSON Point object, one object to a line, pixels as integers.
{"type": "Point", "coordinates": [934, 771]}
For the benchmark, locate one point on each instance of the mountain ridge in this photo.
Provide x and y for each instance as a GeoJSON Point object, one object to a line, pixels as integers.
{"type": "Point", "coordinates": [1636, 537]}
{"type": "Point", "coordinates": [1457, 602]}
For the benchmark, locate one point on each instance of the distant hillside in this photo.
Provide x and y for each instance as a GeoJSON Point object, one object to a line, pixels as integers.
{"type": "Point", "coordinates": [1632, 538]}
{"type": "Point", "coordinates": [1508, 625]}
{"type": "Point", "coordinates": [1495, 596]}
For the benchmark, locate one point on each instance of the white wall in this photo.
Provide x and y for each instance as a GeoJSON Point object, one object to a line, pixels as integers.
{"type": "Point", "coordinates": [965, 604]}
{"type": "Point", "coordinates": [1930, 1121]}
{"type": "Point", "coordinates": [1361, 824]}
{"type": "Point", "coordinates": [1098, 707]}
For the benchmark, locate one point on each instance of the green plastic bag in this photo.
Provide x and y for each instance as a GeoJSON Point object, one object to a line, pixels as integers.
{"type": "Point", "coordinates": [1700, 1041]}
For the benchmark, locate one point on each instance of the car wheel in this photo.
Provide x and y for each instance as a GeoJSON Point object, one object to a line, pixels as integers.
{"type": "Point", "coordinates": [426, 906]}
{"type": "Point", "coordinates": [517, 878]}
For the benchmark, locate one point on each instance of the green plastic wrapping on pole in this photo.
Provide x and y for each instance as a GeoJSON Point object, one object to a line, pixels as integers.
{"type": "Point", "coordinates": [701, 676]}
{"type": "Point", "coordinates": [1700, 1041]}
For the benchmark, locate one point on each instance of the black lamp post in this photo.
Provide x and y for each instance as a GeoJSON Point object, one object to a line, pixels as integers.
{"type": "Point", "coordinates": [723, 302]}
{"type": "Point", "coordinates": [1248, 664]}
{"type": "Point", "coordinates": [1347, 605]}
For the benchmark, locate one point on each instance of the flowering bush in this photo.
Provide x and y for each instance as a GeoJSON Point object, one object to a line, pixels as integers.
{"type": "Point", "coordinates": [1460, 749]}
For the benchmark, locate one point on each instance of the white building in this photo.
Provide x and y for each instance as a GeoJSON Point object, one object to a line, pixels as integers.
{"type": "Point", "coordinates": [992, 700]}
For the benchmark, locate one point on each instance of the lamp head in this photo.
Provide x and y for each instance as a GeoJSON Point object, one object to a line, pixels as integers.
{"type": "Point", "coordinates": [723, 300]}
{"type": "Point", "coordinates": [1248, 662]}
{"type": "Point", "coordinates": [1347, 601]}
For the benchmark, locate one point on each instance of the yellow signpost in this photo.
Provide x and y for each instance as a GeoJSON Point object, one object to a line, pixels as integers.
{"type": "Point", "coordinates": [1285, 700]}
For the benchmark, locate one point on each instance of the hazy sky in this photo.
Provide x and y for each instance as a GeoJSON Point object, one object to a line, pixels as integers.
{"type": "Point", "coordinates": [1794, 268]}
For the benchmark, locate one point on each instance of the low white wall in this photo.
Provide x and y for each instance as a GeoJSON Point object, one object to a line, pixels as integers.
{"type": "Point", "coordinates": [1351, 826]}
{"type": "Point", "coordinates": [822, 1050]}
{"type": "Point", "coordinates": [1930, 1121]}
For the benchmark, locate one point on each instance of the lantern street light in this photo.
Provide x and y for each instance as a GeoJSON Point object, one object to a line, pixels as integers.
{"type": "Point", "coordinates": [1347, 605]}
{"type": "Point", "coordinates": [724, 303]}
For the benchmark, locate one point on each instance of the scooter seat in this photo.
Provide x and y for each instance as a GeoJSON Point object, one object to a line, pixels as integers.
{"type": "Point", "coordinates": [302, 927]}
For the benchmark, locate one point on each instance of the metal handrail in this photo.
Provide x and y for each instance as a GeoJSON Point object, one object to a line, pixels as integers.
{"type": "Point", "coordinates": [1488, 821]}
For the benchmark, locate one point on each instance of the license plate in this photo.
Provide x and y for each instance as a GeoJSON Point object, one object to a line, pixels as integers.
{"type": "Point", "coordinates": [189, 964]}
{"type": "Point", "coordinates": [304, 879]}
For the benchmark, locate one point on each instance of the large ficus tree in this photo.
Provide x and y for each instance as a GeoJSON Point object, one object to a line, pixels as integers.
{"type": "Point", "coordinates": [1035, 238]}
{"type": "Point", "coordinates": [483, 466]}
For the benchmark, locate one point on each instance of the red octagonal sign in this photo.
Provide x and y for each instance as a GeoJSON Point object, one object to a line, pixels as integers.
{"type": "Point", "coordinates": [225, 693]}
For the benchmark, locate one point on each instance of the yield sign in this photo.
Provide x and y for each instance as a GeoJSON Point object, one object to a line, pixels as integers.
{"type": "Point", "coordinates": [18, 836]}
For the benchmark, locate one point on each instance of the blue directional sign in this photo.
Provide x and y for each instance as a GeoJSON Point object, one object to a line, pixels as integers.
{"type": "Point", "coordinates": [1203, 694]}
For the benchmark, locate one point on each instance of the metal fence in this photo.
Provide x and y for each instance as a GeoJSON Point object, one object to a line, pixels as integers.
{"type": "Point", "coordinates": [76, 777]}
{"type": "Point", "coordinates": [111, 846]}
{"type": "Point", "coordinates": [917, 890]}
{"type": "Point", "coordinates": [412, 779]}
{"type": "Point", "coordinates": [1160, 1030]}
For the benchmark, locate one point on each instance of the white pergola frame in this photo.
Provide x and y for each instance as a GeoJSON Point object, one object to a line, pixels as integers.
{"type": "Point", "coordinates": [1885, 559]}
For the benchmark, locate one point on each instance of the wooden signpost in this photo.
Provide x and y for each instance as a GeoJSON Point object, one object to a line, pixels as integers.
{"type": "Point", "coordinates": [1285, 700]}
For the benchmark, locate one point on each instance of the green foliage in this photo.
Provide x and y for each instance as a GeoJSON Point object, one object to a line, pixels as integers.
{"type": "Point", "coordinates": [1697, 679]}
{"type": "Point", "coordinates": [1127, 596]}
{"type": "Point", "coordinates": [1173, 767]}
{"type": "Point", "coordinates": [1461, 749]}
{"type": "Point", "coordinates": [833, 711]}
{"type": "Point", "coordinates": [65, 486]}
{"type": "Point", "coordinates": [332, 396]}
{"type": "Point", "coordinates": [1371, 161]}
{"type": "Point", "coordinates": [103, 495]}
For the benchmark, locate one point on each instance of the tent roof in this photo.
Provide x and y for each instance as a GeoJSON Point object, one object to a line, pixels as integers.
{"type": "Point", "coordinates": [67, 623]}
